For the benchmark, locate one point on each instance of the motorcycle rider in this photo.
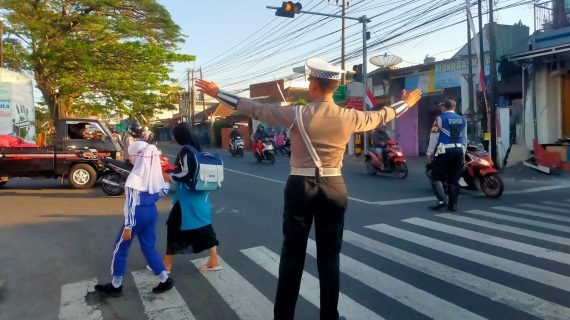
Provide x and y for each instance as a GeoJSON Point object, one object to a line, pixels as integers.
{"type": "Point", "coordinates": [379, 138]}
{"type": "Point", "coordinates": [447, 147]}
{"type": "Point", "coordinates": [134, 134]}
{"type": "Point", "coordinates": [234, 135]}
{"type": "Point", "coordinates": [258, 137]}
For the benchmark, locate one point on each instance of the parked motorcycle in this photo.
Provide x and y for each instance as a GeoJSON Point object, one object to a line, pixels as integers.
{"type": "Point", "coordinates": [478, 172]}
{"type": "Point", "coordinates": [264, 150]}
{"type": "Point", "coordinates": [114, 176]}
{"type": "Point", "coordinates": [236, 147]}
{"type": "Point", "coordinates": [394, 161]}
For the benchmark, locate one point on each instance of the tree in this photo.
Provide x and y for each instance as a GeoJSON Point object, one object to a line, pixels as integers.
{"type": "Point", "coordinates": [95, 56]}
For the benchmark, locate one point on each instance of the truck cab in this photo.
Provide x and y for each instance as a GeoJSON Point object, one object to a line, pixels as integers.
{"type": "Point", "coordinates": [79, 134]}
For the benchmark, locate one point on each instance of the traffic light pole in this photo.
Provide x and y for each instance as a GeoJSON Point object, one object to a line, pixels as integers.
{"type": "Point", "coordinates": [364, 20]}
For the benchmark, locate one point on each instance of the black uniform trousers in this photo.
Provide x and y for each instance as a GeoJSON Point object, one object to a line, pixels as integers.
{"type": "Point", "coordinates": [448, 166]}
{"type": "Point", "coordinates": [323, 199]}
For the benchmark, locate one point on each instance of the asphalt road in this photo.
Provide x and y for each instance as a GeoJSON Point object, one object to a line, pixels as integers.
{"type": "Point", "coordinates": [504, 258]}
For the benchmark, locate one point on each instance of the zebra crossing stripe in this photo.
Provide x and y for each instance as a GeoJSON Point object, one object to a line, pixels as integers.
{"type": "Point", "coordinates": [167, 305]}
{"type": "Point", "coordinates": [73, 304]}
{"type": "Point", "coordinates": [492, 240]}
{"type": "Point", "coordinates": [415, 298]}
{"type": "Point", "coordinates": [497, 292]}
{"type": "Point", "coordinates": [309, 290]}
{"type": "Point", "coordinates": [246, 301]}
{"type": "Point", "coordinates": [529, 222]}
{"type": "Point", "coordinates": [519, 269]}
{"type": "Point", "coordinates": [534, 213]}
{"type": "Point", "coordinates": [554, 203]}
{"type": "Point", "coordinates": [543, 207]}
{"type": "Point", "coordinates": [506, 228]}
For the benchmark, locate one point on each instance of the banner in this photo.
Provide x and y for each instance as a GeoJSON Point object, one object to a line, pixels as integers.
{"type": "Point", "coordinates": [17, 113]}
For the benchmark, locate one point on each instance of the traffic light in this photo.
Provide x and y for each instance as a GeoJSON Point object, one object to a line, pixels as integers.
{"type": "Point", "coordinates": [357, 68]}
{"type": "Point", "coordinates": [288, 9]}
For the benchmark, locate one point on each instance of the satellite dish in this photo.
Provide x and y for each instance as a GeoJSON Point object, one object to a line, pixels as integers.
{"type": "Point", "coordinates": [386, 61]}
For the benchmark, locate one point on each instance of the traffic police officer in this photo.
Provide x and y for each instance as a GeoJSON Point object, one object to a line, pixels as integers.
{"type": "Point", "coordinates": [447, 142]}
{"type": "Point", "coordinates": [315, 189]}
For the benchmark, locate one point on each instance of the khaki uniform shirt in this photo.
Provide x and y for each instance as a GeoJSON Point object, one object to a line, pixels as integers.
{"type": "Point", "coordinates": [328, 126]}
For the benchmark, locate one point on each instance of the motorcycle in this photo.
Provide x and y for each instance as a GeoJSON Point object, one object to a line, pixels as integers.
{"type": "Point", "coordinates": [236, 147]}
{"type": "Point", "coordinates": [115, 173]}
{"type": "Point", "coordinates": [478, 172]}
{"type": "Point", "coordinates": [285, 149]}
{"type": "Point", "coordinates": [394, 161]}
{"type": "Point", "coordinates": [265, 151]}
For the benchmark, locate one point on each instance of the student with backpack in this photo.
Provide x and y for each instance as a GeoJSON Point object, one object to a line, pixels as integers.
{"type": "Point", "coordinates": [189, 226]}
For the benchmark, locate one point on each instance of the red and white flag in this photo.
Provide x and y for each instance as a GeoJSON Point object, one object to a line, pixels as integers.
{"type": "Point", "coordinates": [476, 44]}
{"type": "Point", "coordinates": [369, 100]}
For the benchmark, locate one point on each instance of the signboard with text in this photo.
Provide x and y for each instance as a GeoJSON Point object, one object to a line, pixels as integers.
{"type": "Point", "coordinates": [448, 74]}
{"type": "Point", "coordinates": [17, 112]}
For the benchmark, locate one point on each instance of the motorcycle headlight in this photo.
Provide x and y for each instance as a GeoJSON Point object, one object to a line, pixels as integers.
{"type": "Point", "coordinates": [483, 162]}
{"type": "Point", "coordinates": [399, 154]}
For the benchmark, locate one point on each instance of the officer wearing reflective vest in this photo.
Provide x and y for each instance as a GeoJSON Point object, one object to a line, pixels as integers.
{"type": "Point", "coordinates": [447, 151]}
{"type": "Point", "coordinates": [315, 189]}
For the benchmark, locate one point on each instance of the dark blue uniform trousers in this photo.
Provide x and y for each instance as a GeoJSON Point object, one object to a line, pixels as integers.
{"type": "Point", "coordinates": [144, 228]}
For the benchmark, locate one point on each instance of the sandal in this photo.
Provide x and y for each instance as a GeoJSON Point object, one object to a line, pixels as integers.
{"type": "Point", "coordinates": [205, 267]}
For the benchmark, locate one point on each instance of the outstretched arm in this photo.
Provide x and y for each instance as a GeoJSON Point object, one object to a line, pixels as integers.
{"type": "Point", "coordinates": [366, 121]}
{"type": "Point", "coordinates": [264, 112]}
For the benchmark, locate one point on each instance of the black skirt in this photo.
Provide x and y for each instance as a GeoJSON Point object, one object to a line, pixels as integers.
{"type": "Point", "coordinates": [187, 241]}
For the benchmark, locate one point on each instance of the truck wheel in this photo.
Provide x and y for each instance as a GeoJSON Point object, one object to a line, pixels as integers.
{"type": "Point", "coordinates": [3, 181]}
{"type": "Point", "coordinates": [82, 176]}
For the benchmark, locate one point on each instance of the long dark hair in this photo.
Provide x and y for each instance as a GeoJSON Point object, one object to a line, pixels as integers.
{"type": "Point", "coordinates": [183, 135]}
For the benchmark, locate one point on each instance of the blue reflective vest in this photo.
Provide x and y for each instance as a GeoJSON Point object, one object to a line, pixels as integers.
{"type": "Point", "coordinates": [452, 128]}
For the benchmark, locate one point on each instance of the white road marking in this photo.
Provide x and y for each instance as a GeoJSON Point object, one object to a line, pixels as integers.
{"type": "Point", "coordinates": [529, 222]}
{"type": "Point", "coordinates": [404, 201]}
{"type": "Point", "coordinates": [533, 213]}
{"type": "Point", "coordinates": [543, 207]}
{"type": "Point", "coordinates": [554, 203]}
{"type": "Point", "coordinates": [73, 304]}
{"type": "Point", "coordinates": [284, 182]}
{"type": "Point", "coordinates": [309, 290]}
{"type": "Point", "coordinates": [539, 189]}
{"type": "Point", "coordinates": [519, 269]}
{"type": "Point", "coordinates": [507, 228]}
{"type": "Point", "coordinates": [415, 298]}
{"type": "Point", "coordinates": [167, 305]}
{"type": "Point", "coordinates": [497, 292]}
{"type": "Point", "coordinates": [492, 240]}
{"type": "Point", "coordinates": [246, 301]}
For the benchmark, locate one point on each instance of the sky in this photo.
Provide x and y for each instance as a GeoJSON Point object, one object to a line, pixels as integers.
{"type": "Point", "coordinates": [240, 42]}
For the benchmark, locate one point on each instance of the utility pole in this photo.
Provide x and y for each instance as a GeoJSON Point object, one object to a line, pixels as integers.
{"type": "Point", "coordinates": [343, 42]}
{"type": "Point", "coordinates": [192, 101]}
{"type": "Point", "coordinates": [482, 67]}
{"type": "Point", "coordinates": [492, 84]}
{"type": "Point", "coordinates": [203, 101]}
{"type": "Point", "coordinates": [364, 21]}
{"type": "Point", "coordinates": [470, 107]}
{"type": "Point", "coordinates": [1, 42]}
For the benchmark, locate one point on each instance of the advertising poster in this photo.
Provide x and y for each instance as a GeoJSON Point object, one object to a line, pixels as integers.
{"type": "Point", "coordinates": [17, 116]}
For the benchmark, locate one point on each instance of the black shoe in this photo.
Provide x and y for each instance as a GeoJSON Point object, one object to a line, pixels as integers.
{"type": "Point", "coordinates": [439, 205]}
{"type": "Point", "coordinates": [452, 207]}
{"type": "Point", "coordinates": [108, 289]}
{"type": "Point", "coordinates": [164, 286]}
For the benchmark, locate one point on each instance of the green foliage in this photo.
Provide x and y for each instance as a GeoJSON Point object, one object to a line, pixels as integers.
{"type": "Point", "coordinates": [95, 56]}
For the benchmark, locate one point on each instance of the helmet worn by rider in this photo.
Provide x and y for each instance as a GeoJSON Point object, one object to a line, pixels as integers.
{"type": "Point", "coordinates": [135, 129]}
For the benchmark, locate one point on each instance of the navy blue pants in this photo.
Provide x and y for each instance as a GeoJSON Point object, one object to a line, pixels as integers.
{"type": "Point", "coordinates": [146, 217]}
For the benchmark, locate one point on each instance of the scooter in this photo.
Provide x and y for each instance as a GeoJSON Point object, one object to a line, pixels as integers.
{"type": "Point", "coordinates": [236, 147]}
{"type": "Point", "coordinates": [394, 161]}
{"type": "Point", "coordinates": [478, 172]}
{"type": "Point", "coordinates": [265, 151]}
{"type": "Point", "coordinates": [115, 173]}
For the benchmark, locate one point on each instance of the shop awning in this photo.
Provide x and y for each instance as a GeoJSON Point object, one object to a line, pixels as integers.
{"type": "Point", "coordinates": [540, 52]}
{"type": "Point", "coordinates": [223, 111]}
